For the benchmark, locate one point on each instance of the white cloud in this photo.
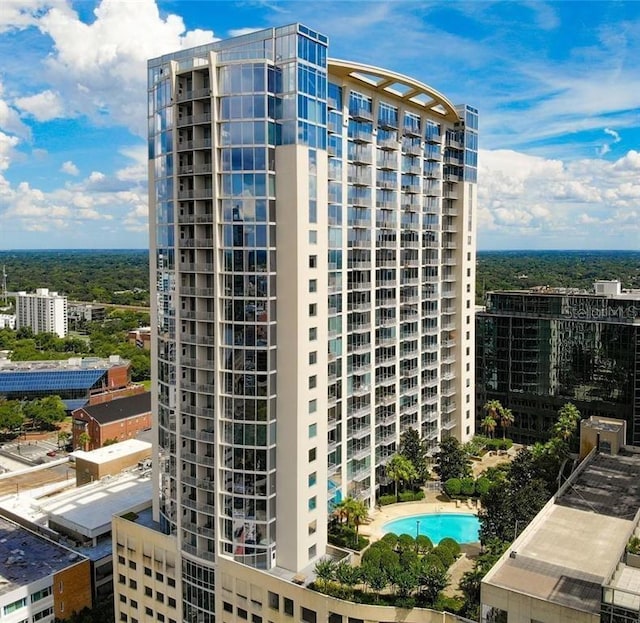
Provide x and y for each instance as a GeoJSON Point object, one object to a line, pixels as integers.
{"type": "Point", "coordinates": [43, 106]}
{"type": "Point", "coordinates": [7, 147]}
{"type": "Point", "coordinates": [614, 134]}
{"type": "Point", "coordinates": [99, 69]}
{"type": "Point", "coordinates": [70, 168]}
{"type": "Point", "coordinates": [544, 199]}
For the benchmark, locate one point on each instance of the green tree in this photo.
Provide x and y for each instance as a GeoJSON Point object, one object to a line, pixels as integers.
{"type": "Point", "coordinates": [400, 470]}
{"type": "Point", "coordinates": [489, 425]}
{"type": "Point", "coordinates": [84, 439]}
{"type": "Point", "coordinates": [376, 577]}
{"type": "Point", "coordinates": [11, 415]}
{"type": "Point", "coordinates": [45, 412]}
{"type": "Point", "coordinates": [353, 512]}
{"type": "Point", "coordinates": [414, 449]}
{"type": "Point", "coordinates": [506, 419]}
{"type": "Point", "coordinates": [325, 571]}
{"type": "Point", "coordinates": [451, 461]}
{"type": "Point", "coordinates": [567, 423]}
{"type": "Point", "coordinates": [431, 579]}
{"type": "Point", "coordinates": [347, 574]}
{"type": "Point", "coordinates": [63, 437]}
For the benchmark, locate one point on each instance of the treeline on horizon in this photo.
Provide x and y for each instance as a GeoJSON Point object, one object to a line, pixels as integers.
{"type": "Point", "coordinates": [97, 275]}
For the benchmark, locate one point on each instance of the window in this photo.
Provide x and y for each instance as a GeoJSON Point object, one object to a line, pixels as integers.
{"type": "Point", "coordinates": [123, 617]}
{"type": "Point", "coordinates": [121, 578]}
{"type": "Point", "coordinates": [313, 406]}
{"type": "Point", "coordinates": [313, 357]}
{"type": "Point", "coordinates": [468, 430]}
{"type": "Point", "coordinates": [123, 599]}
{"type": "Point", "coordinates": [41, 594]}
{"type": "Point", "coordinates": [171, 582]}
{"type": "Point", "coordinates": [121, 560]}
{"type": "Point", "coordinates": [313, 236]}
{"type": "Point", "coordinates": [274, 600]}
{"type": "Point", "coordinates": [147, 571]}
{"type": "Point", "coordinates": [313, 526]}
{"type": "Point", "coordinates": [313, 381]}
{"type": "Point", "coordinates": [47, 612]}
{"type": "Point", "coordinates": [256, 619]}
{"type": "Point", "coordinates": [227, 607]}
{"type": "Point", "coordinates": [312, 503]}
{"type": "Point", "coordinates": [159, 577]}
{"type": "Point", "coordinates": [313, 309]}
{"type": "Point", "coordinates": [242, 614]}
{"type": "Point", "coordinates": [313, 430]}
{"type": "Point", "coordinates": [308, 616]}
{"type": "Point", "coordinates": [312, 552]}
{"type": "Point", "coordinates": [313, 334]}
{"type": "Point", "coordinates": [313, 261]}
{"type": "Point", "coordinates": [312, 455]}
{"type": "Point", "coordinates": [132, 565]}
{"type": "Point", "coordinates": [133, 584]}
{"type": "Point", "coordinates": [160, 617]}
{"type": "Point", "coordinates": [160, 597]}
{"type": "Point", "coordinates": [134, 604]}
{"type": "Point", "coordinates": [172, 602]}
{"type": "Point", "coordinates": [313, 477]}
{"type": "Point", "coordinates": [148, 592]}
{"type": "Point", "coordinates": [288, 606]}
{"type": "Point", "coordinates": [313, 285]}
{"type": "Point", "coordinates": [148, 611]}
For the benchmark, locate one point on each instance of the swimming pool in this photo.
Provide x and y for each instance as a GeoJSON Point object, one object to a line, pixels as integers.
{"type": "Point", "coordinates": [463, 527]}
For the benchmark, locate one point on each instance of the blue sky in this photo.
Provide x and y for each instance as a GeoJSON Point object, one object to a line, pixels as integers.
{"type": "Point", "coordinates": [557, 86]}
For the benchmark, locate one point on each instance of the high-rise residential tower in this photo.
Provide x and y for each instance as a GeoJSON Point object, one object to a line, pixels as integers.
{"type": "Point", "coordinates": [312, 253]}
{"type": "Point", "coordinates": [43, 311]}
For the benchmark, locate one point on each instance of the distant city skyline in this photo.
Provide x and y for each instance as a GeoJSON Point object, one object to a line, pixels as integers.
{"type": "Point", "coordinates": [555, 83]}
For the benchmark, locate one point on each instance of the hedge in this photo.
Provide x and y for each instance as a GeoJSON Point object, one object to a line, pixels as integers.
{"type": "Point", "coordinates": [405, 496]}
{"type": "Point", "coordinates": [467, 486]}
{"type": "Point", "coordinates": [452, 487]}
{"type": "Point", "coordinates": [451, 544]}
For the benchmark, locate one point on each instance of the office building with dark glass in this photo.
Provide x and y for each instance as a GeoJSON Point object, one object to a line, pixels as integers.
{"type": "Point", "coordinates": [313, 262]}
{"type": "Point", "coordinates": [539, 349]}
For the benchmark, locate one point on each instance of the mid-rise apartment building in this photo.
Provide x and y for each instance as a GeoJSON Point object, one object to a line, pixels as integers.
{"type": "Point", "coordinates": [538, 349]}
{"type": "Point", "coordinates": [312, 258]}
{"type": "Point", "coordinates": [43, 311]}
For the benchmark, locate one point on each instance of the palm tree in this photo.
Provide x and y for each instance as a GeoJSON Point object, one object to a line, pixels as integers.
{"type": "Point", "coordinates": [325, 570]}
{"type": "Point", "coordinates": [567, 423]}
{"type": "Point", "coordinates": [506, 419]}
{"type": "Point", "coordinates": [493, 408]}
{"type": "Point", "coordinates": [489, 425]}
{"type": "Point", "coordinates": [400, 469]}
{"type": "Point", "coordinates": [84, 439]}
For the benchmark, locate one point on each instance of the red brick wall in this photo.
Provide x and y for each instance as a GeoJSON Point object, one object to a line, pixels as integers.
{"type": "Point", "coordinates": [118, 377]}
{"type": "Point", "coordinates": [72, 590]}
{"type": "Point", "coordinates": [132, 390]}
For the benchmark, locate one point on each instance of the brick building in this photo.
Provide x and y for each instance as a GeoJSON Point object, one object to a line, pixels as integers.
{"type": "Point", "coordinates": [119, 419]}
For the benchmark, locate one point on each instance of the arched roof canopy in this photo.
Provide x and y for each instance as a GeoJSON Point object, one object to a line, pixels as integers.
{"type": "Point", "coordinates": [397, 86]}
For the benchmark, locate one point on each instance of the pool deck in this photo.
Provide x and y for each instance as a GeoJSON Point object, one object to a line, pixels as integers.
{"type": "Point", "coordinates": [431, 504]}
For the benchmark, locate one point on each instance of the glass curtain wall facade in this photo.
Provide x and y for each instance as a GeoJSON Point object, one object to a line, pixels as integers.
{"type": "Point", "coordinates": [536, 351]}
{"type": "Point", "coordinates": [312, 227]}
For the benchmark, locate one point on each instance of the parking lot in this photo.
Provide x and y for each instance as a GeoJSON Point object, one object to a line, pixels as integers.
{"type": "Point", "coordinates": [32, 451]}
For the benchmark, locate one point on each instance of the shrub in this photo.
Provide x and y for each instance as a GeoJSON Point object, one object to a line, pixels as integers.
{"type": "Point", "coordinates": [467, 486]}
{"type": "Point", "coordinates": [345, 536]}
{"type": "Point", "coordinates": [449, 604]}
{"type": "Point", "coordinates": [482, 485]}
{"type": "Point", "coordinates": [451, 544]}
{"type": "Point", "coordinates": [633, 546]}
{"type": "Point", "coordinates": [452, 487]}
{"type": "Point", "coordinates": [411, 496]}
{"type": "Point", "coordinates": [406, 541]}
{"type": "Point", "coordinates": [383, 500]}
{"type": "Point", "coordinates": [433, 560]}
{"type": "Point", "coordinates": [498, 444]}
{"type": "Point", "coordinates": [390, 540]}
{"type": "Point", "coordinates": [423, 543]}
{"type": "Point", "coordinates": [445, 555]}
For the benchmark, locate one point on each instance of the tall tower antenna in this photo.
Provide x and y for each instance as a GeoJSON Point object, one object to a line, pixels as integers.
{"type": "Point", "coordinates": [4, 284]}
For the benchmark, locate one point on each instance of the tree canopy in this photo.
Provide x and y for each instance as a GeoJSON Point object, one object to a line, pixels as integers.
{"type": "Point", "coordinates": [451, 460]}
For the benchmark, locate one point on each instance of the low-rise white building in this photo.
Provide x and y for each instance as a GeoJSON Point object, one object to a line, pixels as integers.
{"type": "Point", "coordinates": [7, 321]}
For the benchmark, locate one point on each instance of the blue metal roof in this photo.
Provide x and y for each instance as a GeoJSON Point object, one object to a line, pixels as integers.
{"type": "Point", "coordinates": [48, 380]}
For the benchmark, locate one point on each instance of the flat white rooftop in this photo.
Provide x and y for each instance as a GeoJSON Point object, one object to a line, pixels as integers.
{"type": "Point", "coordinates": [112, 452]}
{"type": "Point", "coordinates": [87, 510]}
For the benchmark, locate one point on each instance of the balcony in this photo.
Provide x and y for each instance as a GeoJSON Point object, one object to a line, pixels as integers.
{"type": "Point", "coordinates": [388, 164]}
{"type": "Point", "coordinates": [412, 150]}
{"type": "Point", "coordinates": [360, 201]}
{"type": "Point", "coordinates": [388, 123]}
{"type": "Point", "coordinates": [432, 137]}
{"type": "Point", "coordinates": [387, 204]}
{"type": "Point", "coordinates": [361, 136]}
{"type": "Point", "coordinates": [359, 179]}
{"type": "Point", "coordinates": [411, 188]}
{"type": "Point", "coordinates": [388, 144]}
{"type": "Point", "coordinates": [360, 156]}
{"type": "Point", "coordinates": [360, 113]}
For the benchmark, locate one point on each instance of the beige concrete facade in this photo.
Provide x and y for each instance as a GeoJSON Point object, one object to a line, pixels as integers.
{"type": "Point", "coordinates": [146, 571]}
